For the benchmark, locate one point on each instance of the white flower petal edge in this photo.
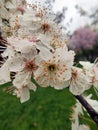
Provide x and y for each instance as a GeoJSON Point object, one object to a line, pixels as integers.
{"type": "Point", "coordinates": [84, 127]}
{"type": "Point", "coordinates": [16, 64]}
{"type": "Point", "coordinates": [95, 79]}
{"type": "Point", "coordinates": [24, 94]}
{"type": "Point", "coordinates": [22, 79]}
{"type": "Point", "coordinates": [79, 82]}
{"type": "Point", "coordinates": [9, 52]}
{"type": "Point", "coordinates": [5, 73]}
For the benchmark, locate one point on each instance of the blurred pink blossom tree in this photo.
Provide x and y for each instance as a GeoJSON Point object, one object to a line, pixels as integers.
{"type": "Point", "coordinates": [83, 42]}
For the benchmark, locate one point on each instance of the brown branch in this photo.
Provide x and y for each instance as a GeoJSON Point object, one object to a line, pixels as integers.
{"type": "Point", "coordinates": [93, 114]}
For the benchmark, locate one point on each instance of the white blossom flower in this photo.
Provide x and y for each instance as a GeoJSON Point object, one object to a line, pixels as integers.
{"type": "Point", "coordinates": [87, 70]}
{"type": "Point", "coordinates": [23, 63]}
{"type": "Point", "coordinates": [24, 69]}
{"type": "Point", "coordinates": [39, 21]}
{"type": "Point", "coordinates": [35, 19]}
{"type": "Point", "coordinates": [55, 68]}
{"type": "Point", "coordinates": [91, 70]}
{"type": "Point", "coordinates": [22, 93]}
{"type": "Point", "coordinates": [23, 84]}
{"type": "Point", "coordinates": [79, 82]}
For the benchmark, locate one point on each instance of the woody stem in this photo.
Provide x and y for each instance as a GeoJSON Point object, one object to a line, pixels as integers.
{"type": "Point", "coordinates": [93, 114]}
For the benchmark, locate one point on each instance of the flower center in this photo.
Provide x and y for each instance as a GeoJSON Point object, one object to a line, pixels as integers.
{"type": "Point", "coordinates": [45, 27]}
{"type": "Point", "coordinates": [51, 68]}
{"type": "Point", "coordinates": [74, 74]}
{"type": "Point", "coordinates": [39, 14]}
{"type": "Point", "coordinates": [31, 66]}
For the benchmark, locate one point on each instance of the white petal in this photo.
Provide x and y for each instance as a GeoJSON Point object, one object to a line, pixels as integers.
{"type": "Point", "coordinates": [65, 57]}
{"type": "Point", "coordinates": [61, 84]}
{"type": "Point", "coordinates": [31, 86]}
{"type": "Point", "coordinates": [41, 79]}
{"type": "Point", "coordinates": [79, 84]}
{"type": "Point", "coordinates": [19, 43]}
{"type": "Point", "coordinates": [4, 73]}
{"type": "Point", "coordinates": [75, 126]}
{"type": "Point", "coordinates": [63, 50]}
{"type": "Point", "coordinates": [45, 39]}
{"type": "Point", "coordinates": [45, 54]}
{"type": "Point", "coordinates": [41, 45]}
{"type": "Point", "coordinates": [16, 64]}
{"type": "Point", "coordinates": [9, 5]}
{"type": "Point", "coordinates": [65, 75]}
{"type": "Point", "coordinates": [3, 12]}
{"type": "Point", "coordinates": [76, 89]}
{"type": "Point", "coordinates": [29, 52]}
{"type": "Point", "coordinates": [86, 64]}
{"type": "Point", "coordinates": [38, 72]}
{"type": "Point", "coordinates": [10, 52]}
{"type": "Point", "coordinates": [43, 82]}
{"type": "Point", "coordinates": [95, 84]}
{"type": "Point", "coordinates": [84, 127]}
{"type": "Point", "coordinates": [21, 79]}
{"type": "Point", "coordinates": [24, 94]}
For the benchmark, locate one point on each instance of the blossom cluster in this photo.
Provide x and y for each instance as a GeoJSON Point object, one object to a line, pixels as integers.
{"type": "Point", "coordinates": [37, 49]}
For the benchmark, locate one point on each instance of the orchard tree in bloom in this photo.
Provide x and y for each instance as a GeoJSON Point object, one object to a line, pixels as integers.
{"type": "Point", "coordinates": [36, 49]}
{"type": "Point", "coordinates": [83, 42]}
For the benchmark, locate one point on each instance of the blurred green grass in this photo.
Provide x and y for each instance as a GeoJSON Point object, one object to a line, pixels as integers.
{"type": "Point", "coordinates": [47, 109]}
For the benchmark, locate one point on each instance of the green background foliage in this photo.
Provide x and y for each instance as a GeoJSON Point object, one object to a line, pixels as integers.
{"type": "Point", "coordinates": [47, 109]}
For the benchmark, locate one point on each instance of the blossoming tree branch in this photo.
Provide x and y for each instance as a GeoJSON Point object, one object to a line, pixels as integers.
{"type": "Point", "coordinates": [34, 47]}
